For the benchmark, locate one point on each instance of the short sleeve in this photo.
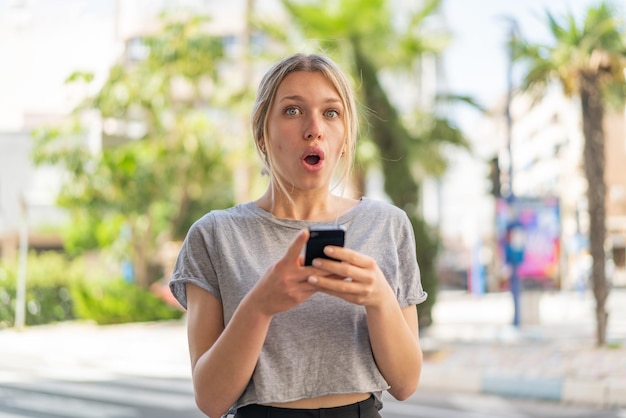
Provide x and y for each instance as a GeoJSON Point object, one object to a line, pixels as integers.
{"type": "Point", "coordinates": [194, 264]}
{"type": "Point", "coordinates": [409, 290]}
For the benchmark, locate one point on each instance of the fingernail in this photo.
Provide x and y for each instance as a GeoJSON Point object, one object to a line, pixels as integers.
{"type": "Point", "coordinates": [317, 262]}
{"type": "Point", "coordinates": [312, 279]}
{"type": "Point", "coordinates": [329, 250]}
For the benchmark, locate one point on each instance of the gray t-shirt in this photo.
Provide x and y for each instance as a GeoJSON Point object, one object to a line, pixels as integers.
{"type": "Point", "coordinates": [322, 346]}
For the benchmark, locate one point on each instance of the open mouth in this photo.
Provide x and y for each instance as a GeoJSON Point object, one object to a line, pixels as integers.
{"type": "Point", "coordinates": [312, 159]}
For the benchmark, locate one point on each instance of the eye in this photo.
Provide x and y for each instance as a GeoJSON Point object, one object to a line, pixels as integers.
{"type": "Point", "coordinates": [332, 113]}
{"type": "Point", "coordinates": [292, 111]}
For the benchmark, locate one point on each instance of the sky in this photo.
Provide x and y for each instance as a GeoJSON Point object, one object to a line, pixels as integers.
{"type": "Point", "coordinates": [476, 60]}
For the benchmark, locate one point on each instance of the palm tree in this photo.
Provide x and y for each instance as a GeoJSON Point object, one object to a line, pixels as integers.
{"type": "Point", "coordinates": [362, 35]}
{"type": "Point", "coordinates": [588, 60]}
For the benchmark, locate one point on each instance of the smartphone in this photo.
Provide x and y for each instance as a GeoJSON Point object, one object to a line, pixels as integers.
{"type": "Point", "coordinates": [321, 236]}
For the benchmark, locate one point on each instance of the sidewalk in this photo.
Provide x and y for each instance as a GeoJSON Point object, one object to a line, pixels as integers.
{"type": "Point", "coordinates": [473, 348]}
{"type": "Point", "coordinates": [85, 351]}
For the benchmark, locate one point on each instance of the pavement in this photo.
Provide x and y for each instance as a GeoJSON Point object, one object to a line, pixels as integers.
{"type": "Point", "coordinates": [551, 355]}
{"type": "Point", "coordinates": [471, 347]}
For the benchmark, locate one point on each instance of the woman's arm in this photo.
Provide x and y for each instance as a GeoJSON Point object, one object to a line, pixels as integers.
{"type": "Point", "coordinates": [393, 331]}
{"type": "Point", "coordinates": [395, 343]}
{"type": "Point", "coordinates": [223, 358]}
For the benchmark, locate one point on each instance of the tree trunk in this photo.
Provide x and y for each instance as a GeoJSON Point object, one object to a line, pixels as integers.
{"type": "Point", "coordinates": [392, 140]}
{"type": "Point", "coordinates": [390, 137]}
{"type": "Point", "coordinates": [140, 253]}
{"type": "Point", "coordinates": [593, 116]}
{"type": "Point", "coordinates": [358, 184]}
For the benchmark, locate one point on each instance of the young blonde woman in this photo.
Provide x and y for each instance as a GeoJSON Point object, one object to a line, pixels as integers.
{"type": "Point", "coordinates": [269, 336]}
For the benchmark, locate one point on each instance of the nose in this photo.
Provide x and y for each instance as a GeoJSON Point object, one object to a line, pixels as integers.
{"type": "Point", "coordinates": [313, 129]}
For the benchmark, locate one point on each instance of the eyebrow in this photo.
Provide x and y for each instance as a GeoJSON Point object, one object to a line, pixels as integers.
{"type": "Point", "coordinates": [297, 97]}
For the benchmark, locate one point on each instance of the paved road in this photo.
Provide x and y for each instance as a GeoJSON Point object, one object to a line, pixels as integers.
{"type": "Point", "coordinates": [434, 404]}
{"type": "Point", "coordinates": [110, 398]}
{"type": "Point", "coordinates": [133, 397]}
{"type": "Point", "coordinates": [142, 370]}
{"type": "Point", "coordinates": [82, 370]}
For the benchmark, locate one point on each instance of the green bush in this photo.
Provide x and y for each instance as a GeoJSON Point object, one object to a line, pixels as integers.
{"type": "Point", "coordinates": [59, 289]}
{"type": "Point", "coordinates": [48, 282]}
{"type": "Point", "coordinates": [116, 301]}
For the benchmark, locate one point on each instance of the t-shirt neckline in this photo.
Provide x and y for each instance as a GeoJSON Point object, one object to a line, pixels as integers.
{"type": "Point", "coordinates": [299, 224]}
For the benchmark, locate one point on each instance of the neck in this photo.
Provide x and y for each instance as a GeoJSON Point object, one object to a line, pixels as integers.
{"type": "Point", "coordinates": [316, 206]}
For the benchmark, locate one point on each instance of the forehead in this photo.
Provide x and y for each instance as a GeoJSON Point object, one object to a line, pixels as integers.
{"type": "Point", "coordinates": [307, 84]}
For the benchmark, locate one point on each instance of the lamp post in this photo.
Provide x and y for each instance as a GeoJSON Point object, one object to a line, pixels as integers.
{"type": "Point", "coordinates": [20, 298]}
{"type": "Point", "coordinates": [514, 236]}
{"type": "Point", "coordinates": [513, 29]}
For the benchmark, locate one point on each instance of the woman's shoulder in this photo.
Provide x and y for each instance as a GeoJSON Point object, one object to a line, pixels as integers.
{"type": "Point", "coordinates": [382, 207]}
{"type": "Point", "coordinates": [372, 213]}
{"type": "Point", "coordinates": [233, 214]}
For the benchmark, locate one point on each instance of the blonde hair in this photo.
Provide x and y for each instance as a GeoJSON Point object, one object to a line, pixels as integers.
{"type": "Point", "coordinates": [265, 99]}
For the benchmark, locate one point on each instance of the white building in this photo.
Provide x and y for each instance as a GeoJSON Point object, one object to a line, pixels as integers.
{"type": "Point", "coordinates": [547, 148]}
{"type": "Point", "coordinates": [46, 42]}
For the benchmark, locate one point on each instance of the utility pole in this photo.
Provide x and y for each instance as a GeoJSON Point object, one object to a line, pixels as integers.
{"type": "Point", "coordinates": [20, 298]}
{"type": "Point", "coordinates": [509, 99]}
{"type": "Point", "coordinates": [514, 235]}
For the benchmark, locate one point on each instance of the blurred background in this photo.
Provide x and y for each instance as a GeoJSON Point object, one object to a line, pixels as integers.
{"type": "Point", "coordinates": [123, 121]}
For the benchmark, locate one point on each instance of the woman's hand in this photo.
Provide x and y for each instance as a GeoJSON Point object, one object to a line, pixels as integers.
{"type": "Point", "coordinates": [355, 278]}
{"type": "Point", "coordinates": [284, 285]}
{"type": "Point", "coordinates": [393, 331]}
{"type": "Point", "coordinates": [222, 365]}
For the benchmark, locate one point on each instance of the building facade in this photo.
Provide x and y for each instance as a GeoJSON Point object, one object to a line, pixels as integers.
{"type": "Point", "coordinates": [47, 42]}
{"type": "Point", "coordinates": [547, 161]}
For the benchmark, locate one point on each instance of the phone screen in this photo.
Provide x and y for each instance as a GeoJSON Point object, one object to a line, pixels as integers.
{"type": "Point", "coordinates": [321, 236]}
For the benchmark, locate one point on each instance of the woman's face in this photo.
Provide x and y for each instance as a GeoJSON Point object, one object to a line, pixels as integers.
{"type": "Point", "coordinates": [306, 131]}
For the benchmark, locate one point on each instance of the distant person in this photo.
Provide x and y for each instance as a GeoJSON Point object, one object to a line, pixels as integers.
{"type": "Point", "coordinates": [269, 336]}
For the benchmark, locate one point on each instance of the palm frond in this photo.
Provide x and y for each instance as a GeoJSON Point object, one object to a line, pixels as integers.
{"type": "Point", "coordinates": [459, 98]}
